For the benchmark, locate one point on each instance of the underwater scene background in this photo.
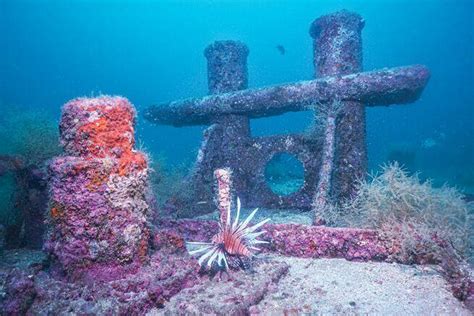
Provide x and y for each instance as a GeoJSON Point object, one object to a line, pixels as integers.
{"type": "Point", "coordinates": [152, 52]}
{"type": "Point", "coordinates": [103, 212]}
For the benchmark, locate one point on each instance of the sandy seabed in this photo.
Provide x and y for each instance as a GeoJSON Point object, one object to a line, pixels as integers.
{"type": "Point", "coordinates": [295, 286]}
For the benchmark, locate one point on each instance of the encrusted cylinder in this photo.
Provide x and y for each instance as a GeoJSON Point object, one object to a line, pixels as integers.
{"type": "Point", "coordinates": [338, 51]}
{"type": "Point", "coordinates": [223, 197]}
{"type": "Point", "coordinates": [97, 127]}
{"type": "Point", "coordinates": [226, 72]}
{"type": "Point", "coordinates": [98, 205]}
{"type": "Point", "coordinates": [226, 66]}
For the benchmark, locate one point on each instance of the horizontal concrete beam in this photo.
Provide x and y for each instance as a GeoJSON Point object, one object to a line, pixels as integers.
{"type": "Point", "coordinates": [380, 87]}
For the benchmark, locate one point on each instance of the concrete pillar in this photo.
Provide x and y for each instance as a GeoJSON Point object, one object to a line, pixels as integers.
{"type": "Point", "coordinates": [225, 138]}
{"type": "Point", "coordinates": [226, 66]}
{"type": "Point", "coordinates": [338, 51]}
{"type": "Point", "coordinates": [227, 72]}
{"type": "Point", "coordinates": [98, 208]}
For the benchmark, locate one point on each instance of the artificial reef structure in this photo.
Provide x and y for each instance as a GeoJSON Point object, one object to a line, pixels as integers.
{"type": "Point", "coordinates": [228, 109]}
{"type": "Point", "coordinates": [104, 252]}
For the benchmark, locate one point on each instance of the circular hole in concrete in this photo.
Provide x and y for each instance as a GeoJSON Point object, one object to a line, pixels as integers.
{"type": "Point", "coordinates": [284, 174]}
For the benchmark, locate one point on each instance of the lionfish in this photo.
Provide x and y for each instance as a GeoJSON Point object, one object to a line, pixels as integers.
{"type": "Point", "coordinates": [232, 247]}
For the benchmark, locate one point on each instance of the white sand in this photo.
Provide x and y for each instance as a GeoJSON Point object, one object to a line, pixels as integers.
{"type": "Point", "coordinates": [337, 286]}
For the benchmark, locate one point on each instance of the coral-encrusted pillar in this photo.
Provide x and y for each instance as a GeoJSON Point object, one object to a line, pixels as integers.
{"type": "Point", "coordinates": [225, 139]}
{"type": "Point", "coordinates": [224, 196]}
{"type": "Point", "coordinates": [338, 51]}
{"type": "Point", "coordinates": [98, 208]}
{"type": "Point", "coordinates": [227, 72]}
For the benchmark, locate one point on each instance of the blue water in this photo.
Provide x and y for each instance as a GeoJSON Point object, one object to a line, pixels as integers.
{"type": "Point", "coordinates": [152, 52]}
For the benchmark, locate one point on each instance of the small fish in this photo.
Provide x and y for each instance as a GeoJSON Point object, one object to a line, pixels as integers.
{"type": "Point", "coordinates": [281, 49]}
{"type": "Point", "coordinates": [201, 202]}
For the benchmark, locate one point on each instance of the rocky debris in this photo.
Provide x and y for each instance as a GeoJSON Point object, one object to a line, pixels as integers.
{"type": "Point", "coordinates": [340, 287]}
{"type": "Point", "coordinates": [26, 287]}
{"type": "Point", "coordinates": [18, 269]}
{"type": "Point", "coordinates": [169, 284]}
{"type": "Point", "coordinates": [297, 240]}
{"type": "Point", "coordinates": [231, 295]}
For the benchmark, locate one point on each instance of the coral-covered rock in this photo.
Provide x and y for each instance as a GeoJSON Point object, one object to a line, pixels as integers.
{"type": "Point", "coordinates": [26, 287]}
{"type": "Point", "coordinates": [315, 242]}
{"type": "Point", "coordinates": [301, 240]}
{"type": "Point", "coordinates": [232, 296]}
{"type": "Point", "coordinates": [18, 269]}
{"type": "Point", "coordinates": [168, 241]}
{"type": "Point", "coordinates": [133, 293]}
{"type": "Point", "coordinates": [20, 292]}
{"type": "Point", "coordinates": [99, 190]}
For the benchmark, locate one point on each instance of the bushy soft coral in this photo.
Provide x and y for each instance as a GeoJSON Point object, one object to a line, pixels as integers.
{"type": "Point", "coordinates": [422, 218]}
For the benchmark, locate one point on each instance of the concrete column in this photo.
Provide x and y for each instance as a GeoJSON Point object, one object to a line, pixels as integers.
{"type": "Point", "coordinates": [338, 51]}
{"type": "Point", "coordinates": [98, 205]}
{"type": "Point", "coordinates": [226, 66]}
{"type": "Point", "coordinates": [227, 72]}
{"type": "Point", "coordinates": [223, 142]}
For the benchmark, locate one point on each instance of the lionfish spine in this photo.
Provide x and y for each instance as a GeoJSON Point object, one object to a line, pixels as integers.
{"type": "Point", "coordinates": [233, 246]}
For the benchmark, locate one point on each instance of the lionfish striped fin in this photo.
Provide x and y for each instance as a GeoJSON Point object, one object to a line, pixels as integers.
{"type": "Point", "coordinates": [236, 221]}
{"type": "Point", "coordinates": [247, 220]}
{"type": "Point", "coordinates": [233, 245]}
{"type": "Point", "coordinates": [256, 226]}
{"type": "Point", "coordinates": [193, 252]}
{"type": "Point", "coordinates": [207, 255]}
{"type": "Point", "coordinates": [213, 257]}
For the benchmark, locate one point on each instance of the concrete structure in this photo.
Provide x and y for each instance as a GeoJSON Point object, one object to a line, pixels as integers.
{"type": "Point", "coordinates": [228, 144]}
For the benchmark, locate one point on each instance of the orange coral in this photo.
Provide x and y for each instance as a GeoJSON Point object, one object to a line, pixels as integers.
{"type": "Point", "coordinates": [57, 211]}
{"type": "Point", "coordinates": [131, 161]}
{"type": "Point", "coordinates": [110, 133]}
{"type": "Point", "coordinates": [96, 181]}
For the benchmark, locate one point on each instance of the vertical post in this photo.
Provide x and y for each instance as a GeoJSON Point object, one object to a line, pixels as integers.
{"type": "Point", "coordinates": [227, 72]}
{"type": "Point", "coordinates": [224, 196]}
{"type": "Point", "coordinates": [338, 51]}
{"type": "Point", "coordinates": [223, 142]}
{"type": "Point", "coordinates": [226, 66]}
{"type": "Point", "coordinates": [98, 204]}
